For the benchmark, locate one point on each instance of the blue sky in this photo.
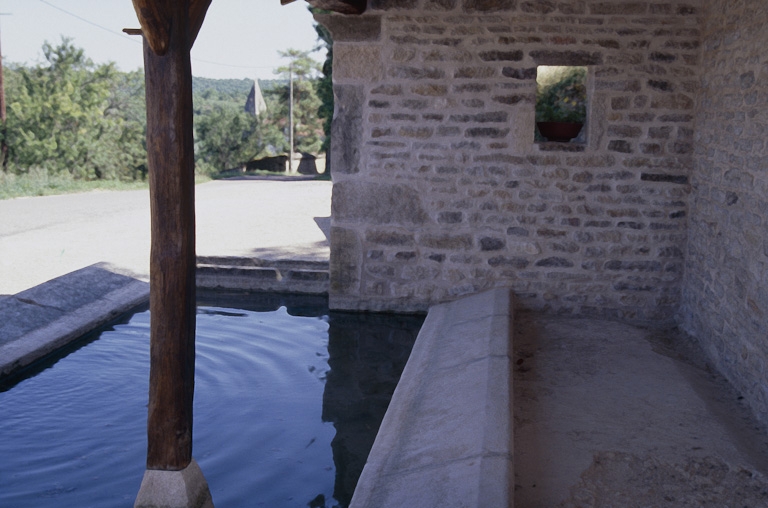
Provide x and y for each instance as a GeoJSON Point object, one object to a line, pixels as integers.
{"type": "Point", "coordinates": [239, 39]}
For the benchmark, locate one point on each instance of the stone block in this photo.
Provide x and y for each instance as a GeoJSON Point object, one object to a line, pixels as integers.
{"type": "Point", "coordinates": [618, 8]}
{"type": "Point", "coordinates": [672, 101]}
{"type": "Point", "coordinates": [446, 241]}
{"type": "Point", "coordinates": [538, 7]}
{"type": "Point", "coordinates": [403, 72]}
{"type": "Point", "coordinates": [43, 319]}
{"type": "Point", "coordinates": [351, 29]}
{"type": "Point", "coordinates": [440, 5]}
{"type": "Point", "coordinates": [567, 57]}
{"type": "Point", "coordinates": [174, 489]}
{"type": "Point", "coordinates": [389, 238]}
{"type": "Point", "coordinates": [490, 243]}
{"type": "Point", "coordinates": [392, 4]}
{"type": "Point", "coordinates": [450, 217]}
{"type": "Point", "coordinates": [624, 131]}
{"type": "Point", "coordinates": [347, 129]}
{"type": "Point", "coordinates": [501, 56]}
{"type": "Point", "coordinates": [504, 261]}
{"type": "Point", "coordinates": [20, 315]}
{"type": "Point", "coordinates": [486, 132]}
{"type": "Point", "coordinates": [665, 178]}
{"type": "Point", "coordinates": [555, 262]}
{"type": "Point", "coordinates": [619, 145]}
{"type": "Point", "coordinates": [346, 262]}
{"type": "Point", "coordinates": [640, 266]}
{"type": "Point", "coordinates": [488, 5]}
{"type": "Point", "coordinates": [474, 72]}
{"type": "Point", "coordinates": [357, 62]}
{"type": "Point", "coordinates": [492, 116]}
{"type": "Point", "coordinates": [377, 203]}
{"type": "Point", "coordinates": [430, 90]}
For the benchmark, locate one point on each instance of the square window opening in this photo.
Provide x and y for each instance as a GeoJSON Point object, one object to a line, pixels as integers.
{"type": "Point", "coordinates": [561, 104]}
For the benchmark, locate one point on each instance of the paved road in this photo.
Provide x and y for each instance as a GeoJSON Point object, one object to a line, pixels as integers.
{"type": "Point", "coordinates": [44, 237]}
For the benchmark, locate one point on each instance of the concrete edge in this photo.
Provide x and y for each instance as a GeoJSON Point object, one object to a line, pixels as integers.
{"type": "Point", "coordinates": [54, 335]}
{"type": "Point", "coordinates": [465, 458]}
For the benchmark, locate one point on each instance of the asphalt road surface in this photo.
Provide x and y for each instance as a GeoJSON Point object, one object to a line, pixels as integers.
{"type": "Point", "coordinates": [45, 237]}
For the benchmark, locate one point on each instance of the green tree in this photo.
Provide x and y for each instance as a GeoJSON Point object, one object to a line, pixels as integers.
{"type": "Point", "coordinates": [325, 86]}
{"type": "Point", "coordinates": [227, 137]}
{"type": "Point", "coordinates": [72, 116]}
{"type": "Point", "coordinates": [308, 128]}
{"type": "Point", "coordinates": [126, 113]}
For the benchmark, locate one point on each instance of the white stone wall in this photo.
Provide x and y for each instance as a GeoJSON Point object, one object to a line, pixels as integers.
{"type": "Point", "coordinates": [440, 189]}
{"type": "Point", "coordinates": [725, 291]}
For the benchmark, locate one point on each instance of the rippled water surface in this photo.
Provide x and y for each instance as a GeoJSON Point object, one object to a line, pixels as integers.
{"type": "Point", "coordinates": [286, 409]}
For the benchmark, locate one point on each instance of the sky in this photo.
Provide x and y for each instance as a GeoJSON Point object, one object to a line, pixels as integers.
{"type": "Point", "coordinates": [239, 38]}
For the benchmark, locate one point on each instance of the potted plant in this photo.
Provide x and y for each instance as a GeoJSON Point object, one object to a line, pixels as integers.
{"type": "Point", "coordinates": [561, 104]}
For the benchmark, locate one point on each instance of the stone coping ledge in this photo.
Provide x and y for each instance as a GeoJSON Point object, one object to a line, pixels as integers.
{"type": "Point", "coordinates": [446, 439]}
{"type": "Point", "coordinates": [254, 274]}
{"type": "Point", "coordinates": [280, 264]}
{"type": "Point", "coordinates": [45, 318]}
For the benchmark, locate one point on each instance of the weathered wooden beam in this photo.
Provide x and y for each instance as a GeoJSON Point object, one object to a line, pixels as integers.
{"type": "Point", "coordinates": [155, 19]}
{"type": "Point", "coordinates": [197, 10]}
{"type": "Point", "coordinates": [340, 6]}
{"type": "Point", "coordinates": [154, 16]}
{"type": "Point", "coordinates": [170, 152]}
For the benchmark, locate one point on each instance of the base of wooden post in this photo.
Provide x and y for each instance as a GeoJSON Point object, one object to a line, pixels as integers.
{"type": "Point", "coordinates": [174, 489]}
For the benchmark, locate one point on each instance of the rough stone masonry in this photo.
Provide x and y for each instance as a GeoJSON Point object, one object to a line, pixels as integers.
{"type": "Point", "coordinates": [440, 189]}
{"type": "Point", "coordinates": [657, 217]}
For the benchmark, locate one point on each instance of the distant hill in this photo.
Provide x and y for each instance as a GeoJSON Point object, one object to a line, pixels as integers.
{"type": "Point", "coordinates": [221, 88]}
{"type": "Point", "coordinates": [267, 84]}
{"type": "Point", "coordinates": [229, 89]}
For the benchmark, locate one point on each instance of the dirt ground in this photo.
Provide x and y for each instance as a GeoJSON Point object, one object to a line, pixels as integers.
{"type": "Point", "coordinates": [612, 415]}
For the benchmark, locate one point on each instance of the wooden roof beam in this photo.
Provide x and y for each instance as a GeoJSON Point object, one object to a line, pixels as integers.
{"type": "Point", "coordinates": [340, 6]}
{"type": "Point", "coordinates": [155, 19]}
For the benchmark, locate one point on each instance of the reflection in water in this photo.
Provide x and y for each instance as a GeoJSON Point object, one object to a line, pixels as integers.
{"type": "Point", "coordinates": [368, 353]}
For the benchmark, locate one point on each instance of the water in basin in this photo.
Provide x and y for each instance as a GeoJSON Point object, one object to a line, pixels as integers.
{"type": "Point", "coordinates": [287, 404]}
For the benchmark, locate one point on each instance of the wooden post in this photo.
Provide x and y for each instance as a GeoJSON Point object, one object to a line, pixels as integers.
{"type": "Point", "coordinates": [173, 478]}
{"type": "Point", "coordinates": [170, 151]}
{"type": "Point", "coordinates": [169, 29]}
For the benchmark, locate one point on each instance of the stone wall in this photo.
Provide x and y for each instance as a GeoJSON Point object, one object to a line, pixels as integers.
{"type": "Point", "coordinates": [440, 189]}
{"type": "Point", "coordinates": [725, 292]}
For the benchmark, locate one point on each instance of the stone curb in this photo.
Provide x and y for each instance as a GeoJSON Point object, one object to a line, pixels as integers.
{"type": "Point", "coordinates": [253, 274]}
{"type": "Point", "coordinates": [446, 439]}
{"type": "Point", "coordinates": [281, 264]}
{"type": "Point", "coordinates": [45, 318]}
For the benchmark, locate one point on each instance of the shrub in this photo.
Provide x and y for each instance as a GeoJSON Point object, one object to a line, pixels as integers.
{"type": "Point", "coordinates": [562, 97]}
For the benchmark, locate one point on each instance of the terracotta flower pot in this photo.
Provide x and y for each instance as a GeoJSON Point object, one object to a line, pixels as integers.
{"type": "Point", "coordinates": [559, 131]}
